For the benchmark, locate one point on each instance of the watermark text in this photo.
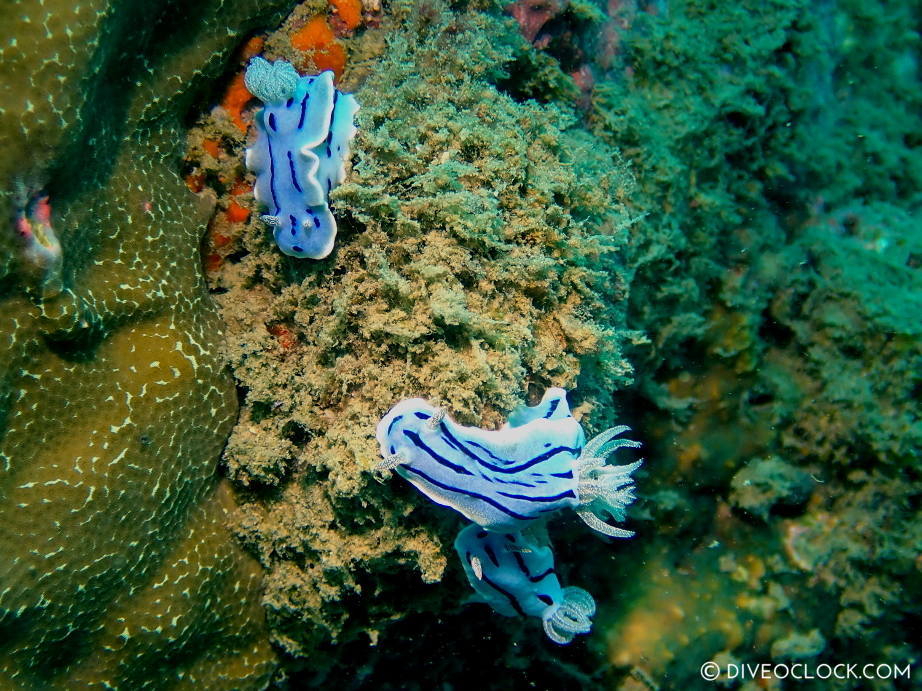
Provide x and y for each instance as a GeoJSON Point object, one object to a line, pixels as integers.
{"type": "Point", "coordinates": [803, 671]}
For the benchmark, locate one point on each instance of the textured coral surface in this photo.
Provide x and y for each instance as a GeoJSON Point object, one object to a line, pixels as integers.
{"type": "Point", "coordinates": [117, 567]}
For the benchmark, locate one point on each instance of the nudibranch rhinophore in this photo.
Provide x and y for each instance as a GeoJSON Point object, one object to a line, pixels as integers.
{"type": "Point", "coordinates": [515, 575]}
{"type": "Point", "coordinates": [299, 155]}
{"type": "Point", "coordinates": [505, 479]}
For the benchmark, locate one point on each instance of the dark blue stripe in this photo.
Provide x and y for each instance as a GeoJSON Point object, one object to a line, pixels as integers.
{"type": "Point", "coordinates": [507, 595]}
{"type": "Point", "coordinates": [457, 444]}
{"type": "Point", "coordinates": [562, 495]}
{"type": "Point", "coordinates": [490, 553]}
{"type": "Point", "coordinates": [567, 475]}
{"type": "Point", "coordinates": [422, 416]}
{"type": "Point", "coordinates": [272, 121]}
{"type": "Point", "coordinates": [330, 128]}
{"type": "Point", "coordinates": [414, 437]}
{"type": "Point", "coordinates": [489, 453]}
{"type": "Point", "coordinates": [294, 177]}
{"type": "Point", "coordinates": [554, 404]}
{"type": "Point", "coordinates": [534, 461]}
{"type": "Point", "coordinates": [542, 575]}
{"type": "Point", "coordinates": [453, 443]}
{"type": "Point", "coordinates": [505, 468]}
{"type": "Point", "coordinates": [492, 502]}
{"type": "Point", "coordinates": [303, 109]}
{"type": "Point", "coordinates": [546, 599]}
{"type": "Point", "coordinates": [394, 422]}
{"type": "Point", "coordinates": [275, 200]}
{"type": "Point", "coordinates": [509, 482]}
{"type": "Point", "coordinates": [522, 566]}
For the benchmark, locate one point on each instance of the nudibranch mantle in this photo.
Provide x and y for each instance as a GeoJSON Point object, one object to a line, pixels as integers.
{"type": "Point", "coordinates": [515, 575]}
{"type": "Point", "coordinates": [299, 154]}
{"type": "Point", "coordinates": [503, 480]}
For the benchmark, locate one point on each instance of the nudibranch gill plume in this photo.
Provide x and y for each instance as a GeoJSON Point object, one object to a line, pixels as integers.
{"type": "Point", "coordinates": [299, 154]}
{"type": "Point", "coordinates": [504, 480]}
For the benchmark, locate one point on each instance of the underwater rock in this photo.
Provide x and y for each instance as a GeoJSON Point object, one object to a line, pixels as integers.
{"type": "Point", "coordinates": [299, 155]}
{"type": "Point", "coordinates": [532, 15]}
{"type": "Point", "coordinates": [769, 484]}
{"type": "Point", "coordinates": [117, 567]}
{"type": "Point", "coordinates": [515, 575]}
{"type": "Point", "coordinates": [503, 480]}
{"type": "Point", "coordinates": [484, 258]}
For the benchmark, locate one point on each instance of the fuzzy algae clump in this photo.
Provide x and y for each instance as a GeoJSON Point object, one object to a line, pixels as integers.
{"type": "Point", "coordinates": [777, 275]}
{"type": "Point", "coordinates": [114, 401]}
{"type": "Point", "coordinates": [478, 257]}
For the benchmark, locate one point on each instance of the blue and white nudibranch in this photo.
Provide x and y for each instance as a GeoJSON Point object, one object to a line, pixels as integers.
{"type": "Point", "coordinates": [299, 154]}
{"type": "Point", "coordinates": [504, 480]}
{"type": "Point", "coordinates": [515, 575]}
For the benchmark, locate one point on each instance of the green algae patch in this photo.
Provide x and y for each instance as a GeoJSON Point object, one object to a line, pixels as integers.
{"type": "Point", "coordinates": [775, 272]}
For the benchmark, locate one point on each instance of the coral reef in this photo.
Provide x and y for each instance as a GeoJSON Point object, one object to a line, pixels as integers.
{"type": "Point", "coordinates": [776, 284]}
{"type": "Point", "coordinates": [759, 268]}
{"type": "Point", "coordinates": [117, 566]}
{"type": "Point", "coordinates": [769, 484]}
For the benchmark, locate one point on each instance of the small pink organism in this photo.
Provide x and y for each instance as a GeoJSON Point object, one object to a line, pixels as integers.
{"type": "Point", "coordinates": [40, 251]}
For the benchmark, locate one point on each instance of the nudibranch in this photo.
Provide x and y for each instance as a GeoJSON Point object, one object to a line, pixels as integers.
{"type": "Point", "coordinates": [298, 157]}
{"type": "Point", "coordinates": [515, 575]}
{"type": "Point", "coordinates": [504, 480]}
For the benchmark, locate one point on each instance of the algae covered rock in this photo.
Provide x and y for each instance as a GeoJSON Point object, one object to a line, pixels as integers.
{"type": "Point", "coordinates": [779, 282]}
{"type": "Point", "coordinates": [478, 258]}
{"type": "Point", "coordinates": [114, 403]}
{"type": "Point", "coordinates": [768, 484]}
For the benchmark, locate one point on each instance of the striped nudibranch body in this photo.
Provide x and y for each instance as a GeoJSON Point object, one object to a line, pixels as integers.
{"type": "Point", "coordinates": [515, 575]}
{"type": "Point", "coordinates": [501, 480]}
{"type": "Point", "coordinates": [298, 156]}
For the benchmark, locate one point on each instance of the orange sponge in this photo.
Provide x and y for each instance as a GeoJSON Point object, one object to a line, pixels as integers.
{"type": "Point", "coordinates": [348, 12]}
{"type": "Point", "coordinates": [235, 101]}
{"type": "Point", "coordinates": [237, 213]}
{"type": "Point", "coordinates": [316, 39]}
